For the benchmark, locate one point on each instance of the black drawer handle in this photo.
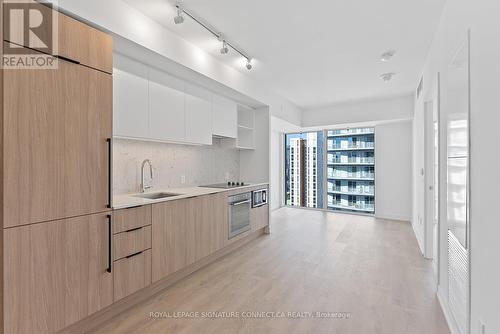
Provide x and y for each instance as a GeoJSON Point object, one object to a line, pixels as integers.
{"type": "Point", "coordinates": [109, 244]}
{"type": "Point", "coordinates": [132, 255]}
{"type": "Point", "coordinates": [134, 229]}
{"type": "Point", "coordinates": [68, 59]}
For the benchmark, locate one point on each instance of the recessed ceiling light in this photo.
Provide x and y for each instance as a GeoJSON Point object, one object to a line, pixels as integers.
{"type": "Point", "coordinates": [386, 77]}
{"type": "Point", "coordinates": [386, 56]}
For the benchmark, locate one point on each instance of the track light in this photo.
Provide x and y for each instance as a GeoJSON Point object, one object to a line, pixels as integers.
{"type": "Point", "coordinates": [249, 64]}
{"type": "Point", "coordinates": [386, 56]}
{"type": "Point", "coordinates": [179, 18]}
{"type": "Point", "coordinates": [225, 49]}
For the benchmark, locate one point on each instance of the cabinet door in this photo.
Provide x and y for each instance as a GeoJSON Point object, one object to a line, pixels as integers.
{"type": "Point", "coordinates": [225, 117]}
{"type": "Point", "coordinates": [209, 215]}
{"type": "Point", "coordinates": [55, 273]}
{"type": "Point", "coordinates": [85, 44]}
{"type": "Point", "coordinates": [172, 238]}
{"type": "Point", "coordinates": [166, 107]}
{"type": "Point", "coordinates": [198, 121]}
{"type": "Point", "coordinates": [130, 101]}
{"type": "Point", "coordinates": [75, 40]}
{"type": "Point", "coordinates": [259, 217]}
{"type": "Point", "coordinates": [56, 123]}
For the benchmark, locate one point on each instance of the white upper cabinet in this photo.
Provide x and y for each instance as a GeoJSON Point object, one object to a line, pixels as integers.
{"type": "Point", "coordinates": [224, 117]}
{"type": "Point", "coordinates": [130, 98]}
{"type": "Point", "coordinates": [166, 107]}
{"type": "Point", "coordinates": [198, 120]}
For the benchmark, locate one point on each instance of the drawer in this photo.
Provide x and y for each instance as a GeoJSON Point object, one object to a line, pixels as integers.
{"type": "Point", "coordinates": [131, 274]}
{"type": "Point", "coordinates": [131, 242]}
{"type": "Point", "coordinates": [128, 219]}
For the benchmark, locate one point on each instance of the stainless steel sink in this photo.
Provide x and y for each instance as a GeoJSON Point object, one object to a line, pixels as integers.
{"type": "Point", "coordinates": [157, 195]}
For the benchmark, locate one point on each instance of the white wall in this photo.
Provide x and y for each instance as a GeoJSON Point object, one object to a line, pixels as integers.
{"type": "Point", "coordinates": [119, 18]}
{"type": "Point", "coordinates": [481, 17]}
{"type": "Point", "coordinates": [361, 111]}
{"type": "Point", "coordinates": [278, 128]}
{"type": "Point", "coordinates": [393, 170]}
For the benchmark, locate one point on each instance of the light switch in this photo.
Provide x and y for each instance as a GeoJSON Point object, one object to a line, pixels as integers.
{"type": "Point", "coordinates": [183, 179]}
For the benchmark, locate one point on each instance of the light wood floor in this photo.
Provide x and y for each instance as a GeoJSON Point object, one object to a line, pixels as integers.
{"type": "Point", "coordinates": [312, 261]}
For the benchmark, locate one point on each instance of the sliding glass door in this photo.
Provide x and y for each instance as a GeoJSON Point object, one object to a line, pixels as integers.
{"type": "Point", "coordinates": [331, 169]}
{"type": "Point", "coordinates": [304, 169]}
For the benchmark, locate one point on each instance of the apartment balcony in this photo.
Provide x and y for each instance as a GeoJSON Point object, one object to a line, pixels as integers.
{"type": "Point", "coordinates": [360, 207]}
{"type": "Point", "coordinates": [352, 161]}
{"type": "Point", "coordinates": [352, 191]}
{"type": "Point", "coordinates": [352, 176]}
{"type": "Point", "coordinates": [350, 132]}
{"type": "Point", "coordinates": [361, 146]}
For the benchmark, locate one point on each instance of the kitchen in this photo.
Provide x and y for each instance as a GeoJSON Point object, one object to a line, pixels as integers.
{"type": "Point", "coordinates": [187, 166]}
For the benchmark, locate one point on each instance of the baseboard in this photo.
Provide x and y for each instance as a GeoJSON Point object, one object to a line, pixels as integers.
{"type": "Point", "coordinates": [393, 217]}
{"type": "Point", "coordinates": [446, 311]}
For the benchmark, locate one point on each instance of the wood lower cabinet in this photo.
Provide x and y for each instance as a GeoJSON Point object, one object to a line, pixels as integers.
{"type": "Point", "coordinates": [55, 273]}
{"type": "Point", "coordinates": [259, 217]}
{"type": "Point", "coordinates": [132, 273]}
{"type": "Point", "coordinates": [185, 231]}
{"type": "Point", "coordinates": [131, 218]}
{"type": "Point", "coordinates": [56, 155]}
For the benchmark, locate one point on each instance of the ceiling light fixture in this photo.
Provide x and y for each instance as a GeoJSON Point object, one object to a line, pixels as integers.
{"type": "Point", "coordinates": [249, 64]}
{"type": "Point", "coordinates": [386, 77]}
{"type": "Point", "coordinates": [386, 56]}
{"type": "Point", "coordinates": [179, 18]}
{"type": "Point", "coordinates": [225, 43]}
{"type": "Point", "coordinates": [225, 49]}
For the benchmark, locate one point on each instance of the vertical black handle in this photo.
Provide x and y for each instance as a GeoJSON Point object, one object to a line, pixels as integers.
{"type": "Point", "coordinates": [109, 172]}
{"type": "Point", "coordinates": [110, 234]}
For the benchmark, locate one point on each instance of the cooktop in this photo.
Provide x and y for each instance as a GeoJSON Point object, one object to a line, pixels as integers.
{"type": "Point", "coordinates": [227, 185]}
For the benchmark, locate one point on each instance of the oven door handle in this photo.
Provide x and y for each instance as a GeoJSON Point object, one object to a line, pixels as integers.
{"type": "Point", "coordinates": [240, 203]}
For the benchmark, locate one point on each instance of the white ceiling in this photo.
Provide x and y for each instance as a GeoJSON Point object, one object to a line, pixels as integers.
{"type": "Point", "coordinates": [318, 52]}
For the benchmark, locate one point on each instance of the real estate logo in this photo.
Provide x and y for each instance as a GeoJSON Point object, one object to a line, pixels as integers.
{"type": "Point", "coordinates": [30, 29]}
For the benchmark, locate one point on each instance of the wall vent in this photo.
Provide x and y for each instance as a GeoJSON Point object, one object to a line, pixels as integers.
{"type": "Point", "coordinates": [458, 280]}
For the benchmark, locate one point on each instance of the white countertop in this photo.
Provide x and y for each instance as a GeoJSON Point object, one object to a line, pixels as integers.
{"type": "Point", "coordinates": [130, 200]}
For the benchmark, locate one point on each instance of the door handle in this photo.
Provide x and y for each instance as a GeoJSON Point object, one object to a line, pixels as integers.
{"type": "Point", "coordinates": [108, 140]}
{"type": "Point", "coordinates": [240, 203]}
{"type": "Point", "coordinates": [110, 234]}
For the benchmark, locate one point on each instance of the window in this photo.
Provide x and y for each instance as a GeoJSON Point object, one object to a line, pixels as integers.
{"type": "Point", "coordinates": [349, 158]}
{"type": "Point", "coordinates": [304, 184]}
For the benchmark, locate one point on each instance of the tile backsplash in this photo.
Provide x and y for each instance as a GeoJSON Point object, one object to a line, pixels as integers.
{"type": "Point", "coordinates": [198, 164]}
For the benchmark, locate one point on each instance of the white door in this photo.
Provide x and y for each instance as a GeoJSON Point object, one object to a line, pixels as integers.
{"type": "Point", "coordinates": [432, 179]}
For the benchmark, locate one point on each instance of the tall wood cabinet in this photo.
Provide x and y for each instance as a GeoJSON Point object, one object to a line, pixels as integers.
{"type": "Point", "coordinates": [55, 178]}
{"type": "Point", "coordinates": [56, 123]}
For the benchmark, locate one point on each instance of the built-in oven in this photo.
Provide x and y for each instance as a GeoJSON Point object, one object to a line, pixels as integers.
{"type": "Point", "coordinates": [239, 213]}
{"type": "Point", "coordinates": [259, 197]}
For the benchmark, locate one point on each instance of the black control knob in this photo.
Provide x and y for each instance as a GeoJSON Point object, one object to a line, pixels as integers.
{"type": "Point", "coordinates": [242, 183]}
{"type": "Point", "coordinates": [228, 183]}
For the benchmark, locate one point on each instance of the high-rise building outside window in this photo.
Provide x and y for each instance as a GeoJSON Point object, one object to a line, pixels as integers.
{"type": "Point", "coordinates": [331, 169]}
{"type": "Point", "coordinates": [304, 160]}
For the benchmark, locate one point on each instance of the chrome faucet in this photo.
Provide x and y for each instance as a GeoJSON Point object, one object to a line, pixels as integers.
{"type": "Point", "coordinates": [144, 187]}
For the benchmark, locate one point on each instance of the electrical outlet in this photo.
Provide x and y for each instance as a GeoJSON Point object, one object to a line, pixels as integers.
{"type": "Point", "coordinates": [227, 176]}
{"type": "Point", "coordinates": [183, 179]}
